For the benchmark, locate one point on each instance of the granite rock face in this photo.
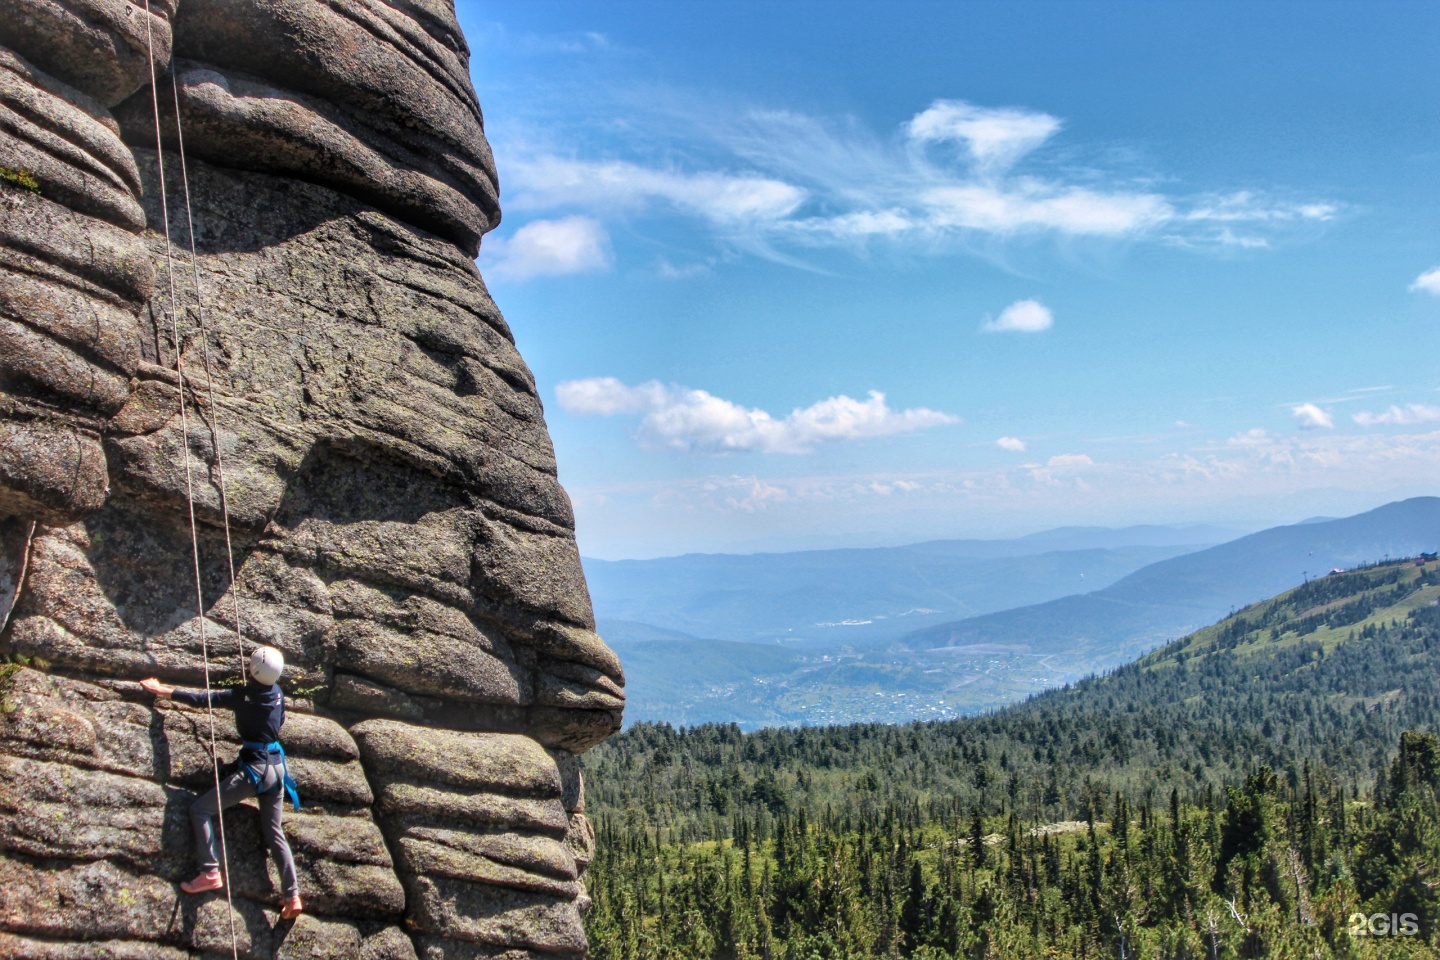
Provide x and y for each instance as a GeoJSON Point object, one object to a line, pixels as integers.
{"type": "Point", "coordinates": [354, 402]}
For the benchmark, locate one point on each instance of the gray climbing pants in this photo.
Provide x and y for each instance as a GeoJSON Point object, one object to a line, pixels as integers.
{"type": "Point", "coordinates": [233, 789]}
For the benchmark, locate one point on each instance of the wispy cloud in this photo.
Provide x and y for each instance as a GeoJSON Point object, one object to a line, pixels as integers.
{"type": "Point", "coordinates": [1012, 444]}
{"type": "Point", "coordinates": [994, 138]}
{"type": "Point", "coordinates": [548, 248]}
{"type": "Point", "coordinates": [1429, 281]}
{"type": "Point", "coordinates": [1254, 437]}
{"type": "Point", "coordinates": [954, 172]}
{"type": "Point", "coordinates": [1022, 316]}
{"type": "Point", "coordinates": [666, 270]}
{"type": "Point", "coordinates": [1411, 413]}
{"type": "Point", "coordinates": [680, 418]}
{"type": "Point", "coordinates": [1312, 417]}
{"type": "Point", "coordinates": [722, 198]}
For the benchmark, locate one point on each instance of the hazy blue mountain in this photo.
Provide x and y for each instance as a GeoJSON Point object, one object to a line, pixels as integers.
{"type": "Point", "coordinates": [977, 663]}
{"type": "Point", "coordinates": [1174, 596]}
{"type": "Point", "coordinates": [837, 597]}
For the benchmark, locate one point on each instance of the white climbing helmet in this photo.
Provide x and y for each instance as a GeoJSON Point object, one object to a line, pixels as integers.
{"type": "Point", "coordinates": [266, 664]}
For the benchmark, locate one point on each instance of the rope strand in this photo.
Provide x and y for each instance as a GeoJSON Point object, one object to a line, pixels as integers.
{"type": "Point", "coordinates": [209, 376]}
{"type": "Point", "coordinates": [20, 580]}
{"type": "Point", "coordinates": [189, 480]}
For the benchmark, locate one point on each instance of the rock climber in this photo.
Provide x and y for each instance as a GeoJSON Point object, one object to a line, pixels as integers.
{"type": "Point", "coordinates": [259, 771]}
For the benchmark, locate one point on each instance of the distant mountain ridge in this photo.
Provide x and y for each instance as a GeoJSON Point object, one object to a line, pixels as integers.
{"type": "Point", "coordinates": [1180, 594]}
{"type": "Point", "coordinates": [860, 595]}
{"type": "Point", "coordinates": [963, 666]}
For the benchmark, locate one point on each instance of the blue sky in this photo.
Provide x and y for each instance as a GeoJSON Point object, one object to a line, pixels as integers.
{"type": "Point", "coordinates": [797, 275]}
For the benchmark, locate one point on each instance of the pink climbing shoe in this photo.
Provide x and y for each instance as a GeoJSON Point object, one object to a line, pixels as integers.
{"type": "Point", "coordinates": [203, 882]}
{"type": "Point", "coordinates": [292, 908]}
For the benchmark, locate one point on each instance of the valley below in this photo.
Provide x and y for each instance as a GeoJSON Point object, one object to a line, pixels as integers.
{"type": "Point", "coordinates": [1265, 786]}
{"type": "Point", "coordinates": [916, 633]}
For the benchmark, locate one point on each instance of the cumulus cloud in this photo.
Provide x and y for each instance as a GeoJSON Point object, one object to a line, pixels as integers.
{"type": "Point", "coordinates": [1398, 416]}
{"type": "Point", "coordinates": [1013, 444]}
{"type": "Point", "coordinates": [680, 418]}
{"type": "Point", "coordinates": [1312, 417]}
{"type": "Point", "coordinates": [1022, 316]}
{"type": "Point", "coordinates": [549, 248]}
{"type": "Point", "coordinates": [1070, 460]}
{"type": "Point", "coordinates": [1429, 281]}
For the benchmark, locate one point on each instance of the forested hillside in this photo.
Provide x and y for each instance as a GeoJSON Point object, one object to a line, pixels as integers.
{"type": "Point", "coordinates": [1237, 793]}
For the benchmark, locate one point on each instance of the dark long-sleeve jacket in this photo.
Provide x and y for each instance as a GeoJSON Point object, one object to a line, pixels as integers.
{"type": "Point", "coordinates": [259, 712]}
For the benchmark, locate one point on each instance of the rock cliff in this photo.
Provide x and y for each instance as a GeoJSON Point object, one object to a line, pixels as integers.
{"type": "Point", "coordinates": [395, 522]}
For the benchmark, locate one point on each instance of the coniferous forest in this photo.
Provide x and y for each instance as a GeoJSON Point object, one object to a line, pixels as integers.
{"type": "Point", "coordinates": [1266, 787]}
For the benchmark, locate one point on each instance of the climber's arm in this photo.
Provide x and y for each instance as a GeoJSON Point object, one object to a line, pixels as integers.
{"type": "Point", "coordinates": [153, 686]}
{"type": "Point", "coordinates": [196, 698]}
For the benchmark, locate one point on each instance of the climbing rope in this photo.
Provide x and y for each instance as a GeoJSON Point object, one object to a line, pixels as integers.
{"type": "Point", "coordinates": [209, 377]}
{"type": "Point", "coordinates": [189, 481]}
{"type": "Point", "coordinates": [20, 580]}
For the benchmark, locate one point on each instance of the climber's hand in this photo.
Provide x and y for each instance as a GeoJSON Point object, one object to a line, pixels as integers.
{"type": "Point", "coordinates": [153, 686]}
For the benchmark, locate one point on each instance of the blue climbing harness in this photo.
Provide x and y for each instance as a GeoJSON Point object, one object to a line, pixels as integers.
{"type": "Point", "coordinates": [287, 781]}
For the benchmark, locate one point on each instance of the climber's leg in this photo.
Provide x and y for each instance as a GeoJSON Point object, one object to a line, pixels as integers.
{"type": "Point", "coordinates": [203, 812]}
{"type": "Point", "coordinates": [270, 809]}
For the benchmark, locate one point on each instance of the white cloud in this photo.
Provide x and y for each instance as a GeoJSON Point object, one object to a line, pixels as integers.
{"type": "Point", "coordinates": [1070, 460]}
{"type": "Point", "coordinates": [746, 494]}
{"type": "Point", "coordinates": [1399, 416]}
{"type": "Point", "coordinates": [1429, 281]}
{"type": "Point", "coordinates": [1294, 474]}
{"type": "Point", "coordinates": [1245, 206]}
{"type": "Point", "coordinates": [1254, 437]}
{"type": "Point", "coordinates": [1022, 316]}
{"type": "Point", "coordinates": [995, 138]}
{"type": "Point", "coordinates": [607, 396]}
{"type": "Point", "coordinates": [770, 179]}
{"type": "Point", "coordinates": [681, 418]}
{"type": "Point", "coordinates": [549, 248]}
{"type": "Point", "coordinates": [548, 182]}
{"type": "Point", "coordinates": [1035, 205]}
{"type": "Point", "coordinates": [1013, 444]}
{"type": "Point", "coordinates": [1312, 417]}
{"type": "Point", "coordinates": [670, 271]}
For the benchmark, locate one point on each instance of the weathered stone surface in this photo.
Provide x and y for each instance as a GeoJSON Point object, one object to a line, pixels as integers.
{"type": "Point", "coordinates": [56, 810]}
{"type": "Point", "coordinates": [495, 916]}
{"type": "Point", "coordinates": [68, 143]}
{"type": "Point", "coordinates": [100, 46]}
{"type": "Point", "coordinates": [50, 474]}
{"type": "Point", "coordinates": [330, 375]}
{"type": "Point", "coordinates": [507, 763]}
{"type": "Point", "coordinates": [580, 840]}
{"type": "Point", "coordinates": [441, 948]}
{"type": "Point", "coordinates": [343, 864]}
{"type": "Point", "coordinates": [78, 901]}
{"type": "Point", "coordinates": [389, 79]}
{"type": "Point", "coordinates": [363, 696]}
{"type": "Point", "coordinates": [73, 276]}
{"type": "Point", "coordinates": [32, 949]}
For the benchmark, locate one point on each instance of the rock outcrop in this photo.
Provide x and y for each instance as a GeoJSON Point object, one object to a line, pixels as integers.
{"type": "Point", "coordinates": [395, 522]}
